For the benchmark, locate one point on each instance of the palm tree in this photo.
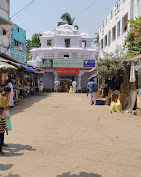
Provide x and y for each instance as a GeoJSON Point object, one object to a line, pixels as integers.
{"type": "Point", "coordinates": [67, 19]}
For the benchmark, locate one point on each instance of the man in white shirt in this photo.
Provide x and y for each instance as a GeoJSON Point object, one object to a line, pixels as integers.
{"type": "Point", "coordinates": [11, 103]}
{"type": "Point", "coordinates": [56, 86]}
{"type": "Point", "coordinates": [74, 85]}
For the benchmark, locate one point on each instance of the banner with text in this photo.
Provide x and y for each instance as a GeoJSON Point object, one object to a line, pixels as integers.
{"type": "Point", "coordinates": [73, 63]}
{"type": "Point", "coordinates": [68, 70]}
{"type": "Point", "coordinates": [68, 63]}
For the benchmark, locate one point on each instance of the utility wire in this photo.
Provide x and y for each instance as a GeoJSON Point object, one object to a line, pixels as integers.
{"type": "Point", "coordinates": [24, 8]}
{"type": "Point", "coordinates": [86, 9]}
{"type": "Point", "coordinates": [23, 22]}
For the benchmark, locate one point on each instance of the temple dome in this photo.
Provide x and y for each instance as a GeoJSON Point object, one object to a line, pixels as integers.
{"type": "Point", "coordinates": [49, 34]}
{"type": "Point", "coordinates": [84, 35]}
{"type": "Point", "coordinates": [66, 30]}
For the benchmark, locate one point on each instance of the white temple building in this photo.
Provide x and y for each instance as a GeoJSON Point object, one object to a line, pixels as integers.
{"type": "Point", "coordinates": [65, 55]}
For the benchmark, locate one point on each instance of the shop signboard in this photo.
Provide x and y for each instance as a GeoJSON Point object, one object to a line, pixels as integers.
{"type": "Point", "coordinates": [73, 63]}
{"type": "Point", "coordinates": [68, 70]}
{"type": "Point", "coordinates": [67, 63]}
{"type": "Point", "coordinates": [47, 63]}
{"type": "Point", "coordinates": [89, 63]}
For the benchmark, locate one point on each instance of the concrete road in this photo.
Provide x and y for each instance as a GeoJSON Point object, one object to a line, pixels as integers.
{"type": "Point", "coordinates": [61, 135]}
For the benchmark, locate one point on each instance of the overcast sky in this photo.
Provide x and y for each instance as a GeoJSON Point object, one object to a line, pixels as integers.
{"type": "Point", "coordinates": [43, 15]}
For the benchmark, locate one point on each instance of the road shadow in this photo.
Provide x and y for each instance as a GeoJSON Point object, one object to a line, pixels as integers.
{"type": "Point", "coordinates": [12, 176]}
{"type": "Point", "coordinates": [81, 174]}
{"type": "Point", "coordinates": [5, 167]}
{"type": "Point", "coordinates": [25, 103]}
{"type": "Point", "coordinates": [14, 149]}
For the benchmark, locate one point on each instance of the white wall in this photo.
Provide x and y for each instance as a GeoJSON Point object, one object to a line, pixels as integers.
{"type": "Point", "coordinates": [130, 7]}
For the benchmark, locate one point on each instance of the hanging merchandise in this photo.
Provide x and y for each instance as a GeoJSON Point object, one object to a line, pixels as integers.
{"type": "Point", "coordinates": [3, 78]}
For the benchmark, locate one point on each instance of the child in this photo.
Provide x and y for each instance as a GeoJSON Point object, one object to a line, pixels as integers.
{"type": "Point", "coordinates": [3, 128]}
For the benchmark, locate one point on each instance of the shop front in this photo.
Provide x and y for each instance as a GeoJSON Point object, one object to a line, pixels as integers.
{"type": "Point", "coordinates": [66, 71]}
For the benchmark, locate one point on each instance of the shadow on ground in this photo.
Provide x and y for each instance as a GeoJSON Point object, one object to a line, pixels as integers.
{"type": "Point", "coordinates": [14, 149]}
{"type": "Point", "coordinates": [24, 103]}
{"type": "Point", "coordinates": [6, 167]}
{"type": "Point", "coordinates": [81, 174]}
{"type": "Point", "coordinates": [12, 176]}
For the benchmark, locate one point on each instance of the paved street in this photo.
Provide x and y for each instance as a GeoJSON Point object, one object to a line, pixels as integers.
{"type": "Point", "coordinates": [61, 135]}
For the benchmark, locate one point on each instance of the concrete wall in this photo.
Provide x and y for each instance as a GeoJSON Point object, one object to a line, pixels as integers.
{"type": "Point", "coordinates": [5, 30]}
{"type": "Point", "coordinates": [5, 39]}
{"type": "Point", "coordinates": [5, 9]}
{"type": "Point", "coordinates": [19, 35]}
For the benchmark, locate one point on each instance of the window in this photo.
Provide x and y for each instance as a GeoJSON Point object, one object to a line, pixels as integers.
{"type": "Point", "coordinates": [105, 40]}
{"type": "Point", "coordinates": [109, 37]}
{"type": "Point", "coordinates": [118, 29]}
{"type": "Point", "coordinates": [83, 44]}
{"type": "Point", "coordinates": [67, 43]}
{"type": "Point", "coordinates": [66, 56]}
{"type": "Point", "coordinates": [18, 30]}
{"type": "Point", "coordinates": [124, 23]}
{"type": "Point", "coordinates": [114, 33]}
{"type": "Point", "coordinates": [49, 43]}
{"type": "Point", "coordinates": [18, 46]}
{"type": "Point", "coordinates": [4, 32]}
{"type": "Point", "coordinates": [102, 44]}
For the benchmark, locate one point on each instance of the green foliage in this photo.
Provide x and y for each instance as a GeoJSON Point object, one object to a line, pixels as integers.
{"type": "Point", "coordinates": [35, 40]}
{"type": "Point", "coordinates": [67, 19]}
{"type": "Point", "coordinates": [28, 45]}
{"type": "Point", "coordinates": [111, 66]}
{"type": "Point", "coordinates": [28, 56]}
{"type": "Point", "coordinates": [133, 39]}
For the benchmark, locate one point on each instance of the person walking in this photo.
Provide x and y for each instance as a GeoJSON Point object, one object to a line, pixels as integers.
{"type": "Point", "coordinates": [91, 86]}
{"type": "Point", "coordinates": [105, 89]}
{"type": "Point", "coordinates": [11, 102]}
{"type": "Point", "coordinates": [56, 86]}
{"type": "Point", "coordinates": [74, 85]}
{"type": "Point", "coordinates": [41, 87]}
{"type": "Point", "coordinates": [3, 128]}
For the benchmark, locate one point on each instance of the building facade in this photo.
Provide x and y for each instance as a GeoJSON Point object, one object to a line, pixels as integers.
{"type": "Point", "coordinates": [114, 28]}
{"type": "Point", "coordinates": [5, 28]}
{"type": "Point", "coordinates": [18, 43]}
{"type": "Point", "coordinates": [65, 55]}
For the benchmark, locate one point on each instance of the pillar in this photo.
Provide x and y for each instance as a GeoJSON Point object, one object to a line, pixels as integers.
{"type": "Point", "coordinates": [55, 75]}
{"type": "Point", "coordinates": [79, 82]}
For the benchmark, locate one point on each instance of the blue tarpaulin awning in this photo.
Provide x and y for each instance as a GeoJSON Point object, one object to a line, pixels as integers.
{"type": "Point", "coordinates": [28, 68]}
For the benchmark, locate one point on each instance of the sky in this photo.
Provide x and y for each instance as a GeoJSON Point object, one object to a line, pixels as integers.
{"type": "Point", "coordinates": [43, 15]}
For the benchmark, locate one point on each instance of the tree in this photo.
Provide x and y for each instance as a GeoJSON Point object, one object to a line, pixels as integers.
{"type": "Point", "coordinates": [35, 40]}
{"type": "Point", "coordinates": [112, 66]}
{"type": "Point", "coordinates": [28, 45]}
{"type": "Point", "coordinates": [67, 19]}
{"type": "Point", "coordinates": [133, 39]}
